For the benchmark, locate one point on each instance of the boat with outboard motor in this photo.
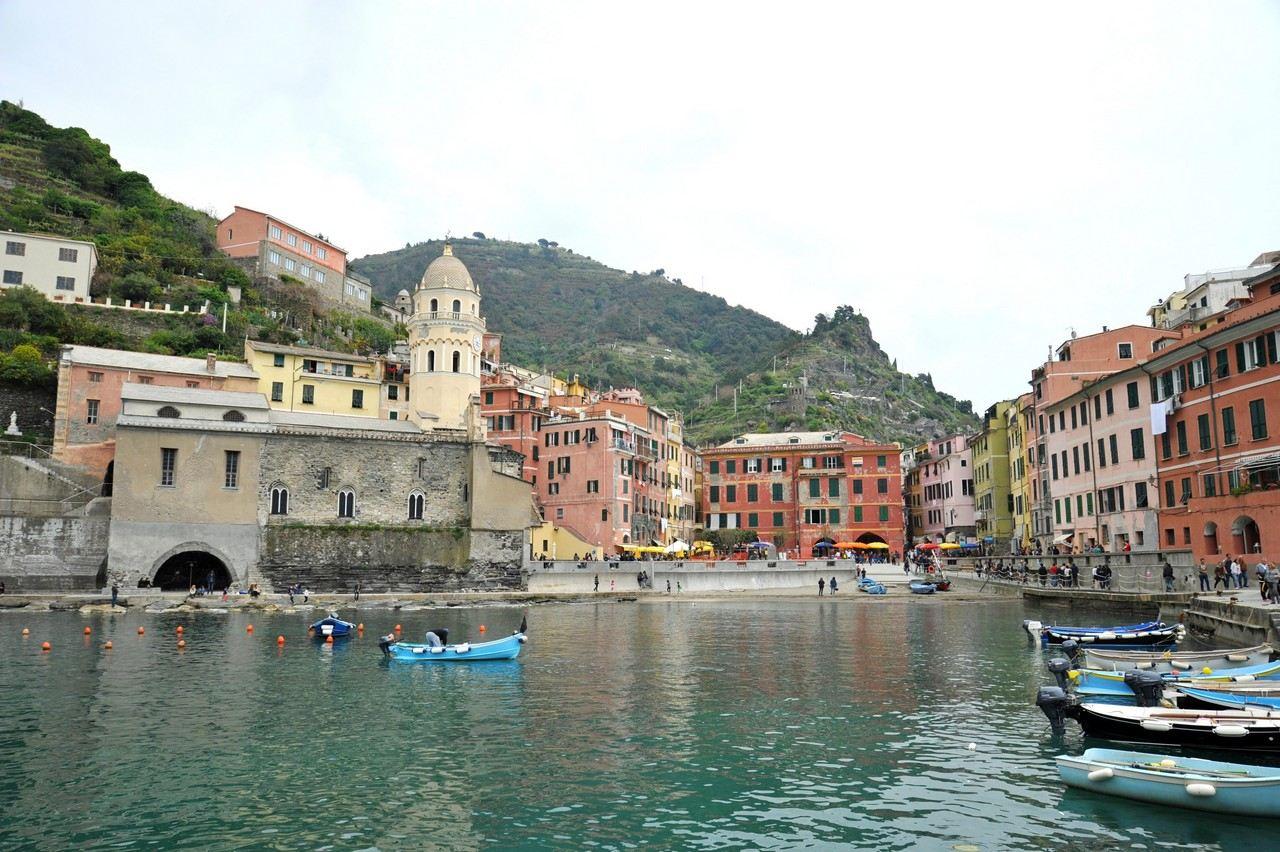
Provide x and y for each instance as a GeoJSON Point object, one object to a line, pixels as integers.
{"type": "Point", "coordinates": [1204, 785]}
{"type": "Point", "coordinates": [1147, 634]}
{"type": "Point", "coordinates": [1106, 659]}
{"type": "Point", "coordinates": [333, 626]}
{"type": "Point", "coordinates": [1252, 729]}
{"type": "Point", "coordinates": [919, 588]}
{"type": "Point", "coordinates": [1094, 682]}
{"type": "Point", "coordinates": [506, 648]}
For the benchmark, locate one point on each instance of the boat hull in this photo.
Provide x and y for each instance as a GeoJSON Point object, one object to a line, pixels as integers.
{"type": "Point", "coordinates": [1167, 728]}
{"type": "Point", "coordinates": [1217, 699]}
{"type": "Point", "coordinates": [334, 627]}
{"type": "Point", "coordinates": [922, 588]}
{"type": "Point", "coordinates": [1090, 682]}
{"type": "Point", "coordinates": [1152, 638]}
{"type": "Point", "coordinates": [1170, 660]}
{"type": "Point", "coordinates": [1252, 793]}
{"type": "Point", "coordinates": [507, 648]}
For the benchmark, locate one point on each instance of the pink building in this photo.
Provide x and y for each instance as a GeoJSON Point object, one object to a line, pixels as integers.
{"type": "Point", "coordinates": [89, 385]}
{"type": "Point", "coordinates": [271, 247]}
{"type": "Point", "coordinates": [946, 487]}
{"type": "Point", "coordinates": [589, 477]}
{"type": "Point", "coordinates": [1101, 464]}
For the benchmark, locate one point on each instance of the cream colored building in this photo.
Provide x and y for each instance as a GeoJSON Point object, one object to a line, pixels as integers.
{"type": "Point", "coordinates": [59, 268]}
{"type": "Point", "coordinates": [446, 337]}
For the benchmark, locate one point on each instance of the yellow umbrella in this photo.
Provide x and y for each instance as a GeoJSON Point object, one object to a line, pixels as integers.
{"type": "Point", "coordinates": [950, 545]}
{"type": "Point", "coordinates": [878, 545]}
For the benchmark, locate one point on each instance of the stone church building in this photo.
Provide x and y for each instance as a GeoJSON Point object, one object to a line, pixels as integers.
{"type": "Point", "coordinates": [216, 487]}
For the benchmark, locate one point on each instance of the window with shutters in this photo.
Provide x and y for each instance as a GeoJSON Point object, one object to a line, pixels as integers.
{"type": "Point", "coordinates": [777, 492]}
{"type": "Point", "coordinates": [815, 488]}
{"type": "Point", "coordinates": [1229, 436]}
{"type": "Point", "coordinates": [1137, 444]}
{"type": "Point", "coordinates": [1202, 428]}
{"type": "Point", "coordinates": [1258, 419]}
{"type": "Point", "coordinates": [1131, 390]}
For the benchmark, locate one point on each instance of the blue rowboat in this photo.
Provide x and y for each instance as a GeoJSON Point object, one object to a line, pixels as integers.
{"type": "Point", "coordinates": [1094, 682]}
{"type": "Point", "coordinates": [506, 648]}
{"type": "Point", "coordinates": [333, 626]}
{"type": "Point", "coordinates": [872, 588]}
{"type": "Point", "coordinates": [1147, 634]}
{"type": "Point", "coordinates": [918, 588]}
{"type": "Point", "coordinates": [1251, 697]}
{"type": "Point", "coordinates": [1185, 782]}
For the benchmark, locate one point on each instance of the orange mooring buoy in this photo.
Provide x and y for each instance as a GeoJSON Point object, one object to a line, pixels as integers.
{"type": "Point", "coordinates": [182, 643]}
{"type": "Point", "coordinates": [483, 628]}
{"type": "Point", "coordinates": [108, 646]}
{"type": "Point", "coordinates": [179, 629]}
{"type": "Point", "coordinates": [279, 640]}
{"type": "Point", "coordinates": [249, 629]}
{"type": "Point", "coordinates": [45, 646]}
{"type": "Point", "coordinates": [141, 630]}
{"type": "Point", "coordinates": [328, 640]}
{"type": "Point", "coordinates": [397, 628]}
{"type": "Point", "coordinates": [360, 627]}
{"type": "Point", "coordinates": [88, 630]}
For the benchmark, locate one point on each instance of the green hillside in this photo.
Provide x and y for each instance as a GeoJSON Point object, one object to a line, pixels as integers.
{"type": "Point", "coordinates": [686, 350]}
{"type": "Point", "coordinates": [62, 181]}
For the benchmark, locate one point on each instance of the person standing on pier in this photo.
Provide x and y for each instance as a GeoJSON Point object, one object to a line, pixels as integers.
{"type": "Point", "coordinates": [822, 584]}
{"type": "Point", "coordinates": [1220, 573]}
{"type": "Point", "coordinates": [833, 585]}
{"type": "Point", "coordinates": [115, 594]}
{"type": "Point", "coordinates": [1167, 573]}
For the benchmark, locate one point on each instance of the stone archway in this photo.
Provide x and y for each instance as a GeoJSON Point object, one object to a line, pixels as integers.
{"type": "Point", "coordinates": [1245, 537]}
{"type": "Point", "coordinates": [870, 538]}
{"type": "Point", "coordinates": [192, 564]}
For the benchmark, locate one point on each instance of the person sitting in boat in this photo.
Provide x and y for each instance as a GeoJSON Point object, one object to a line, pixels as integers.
{"type": "Point", "coordinates": [437, 637]}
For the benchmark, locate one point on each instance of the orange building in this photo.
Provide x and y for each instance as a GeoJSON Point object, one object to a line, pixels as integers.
{"type": "Point", "coordinates": [798, 488]}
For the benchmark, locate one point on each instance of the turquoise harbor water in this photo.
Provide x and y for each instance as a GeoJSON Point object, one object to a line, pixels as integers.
{"type": "Point", "coordinates": [762, 724]}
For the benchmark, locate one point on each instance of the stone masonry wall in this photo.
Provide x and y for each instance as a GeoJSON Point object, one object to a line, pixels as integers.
{"type": "Point", "coordinates": [28, 402]}
{"type": "Point", "coordinates": [52, 554]}
{"type": "Point", "coordinates": [389, 559]}
{"type": "Point", "coordinates": [381, 472]}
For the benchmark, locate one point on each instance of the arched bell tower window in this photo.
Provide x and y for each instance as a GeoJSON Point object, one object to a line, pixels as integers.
{"type": "Point", "coordinates": [457, 361]}
{"type": "Point", "coordinates": [435, 306]}
{"type": "Point", "coordinates": [457, 306]}
{"type": "Point", "coordinates": [431, 361]}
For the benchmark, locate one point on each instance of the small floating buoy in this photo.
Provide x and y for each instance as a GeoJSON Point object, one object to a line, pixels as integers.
{"type": "Point", "coordinates": [179, 631]}
{"type": "Point", "coordinates": [141, 630]}
{"type": "Point", "coordinates": [45, 646]}
{"type": "Point", "coordinates": [483, 628]}
{"type": "Point", "coordinates": [26, 632]}
{"type": "Point", "coordinates": [108, 646]}
{"type": "Point", "coordinates": [1206, 670]}
{"type": "Point", "coordinates": [88, 630]}
{"type": "Point", "coordinates": [397, 628]}
{"type": "Point", "coordinates": [182, 643]}
{"type": "Point", "coordinates": [972, 746]}
{"type": "Point", "coordinates": [249, 629]}
{"type": "Point", "coordinates": [328, 640]}
{"type": "Point", "coordinates": [360, 627]}
{"type": "Point", "coordinates": [279, 640]}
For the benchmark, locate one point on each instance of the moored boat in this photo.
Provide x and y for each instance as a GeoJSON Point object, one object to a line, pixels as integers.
{"type": "Point", "coordinates": [919, 588]}
{"type": "Point", "coordinates": [1093, 682]}
{"type": "Point", "coordinates": [1228, 696]}
{"type": "Point", "coordinates": [506, 648]}
{"type": "Point", "coordinates": [1105, 659]}
{"type": "Point", "coordinates": [1205, 785]}
{"type": "Point", "coordinates": [1147, 634]}
{"type": "Point", "coordinates": [1245, 729]}
{"type": "Point", "coordinates": [333, 626]}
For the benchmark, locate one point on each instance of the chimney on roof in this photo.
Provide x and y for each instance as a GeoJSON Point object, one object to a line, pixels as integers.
{"type": "Point", "coordinates": [210, 363]}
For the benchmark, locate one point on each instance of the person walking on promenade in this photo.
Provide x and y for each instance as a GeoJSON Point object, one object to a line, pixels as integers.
{"type": "Point", "coordinates": [1167, 572]}
{"type": "Point", "coordinates": [668, 585]}
{"type": "Point", "coordinates": [1260, 571]}
{"type": "Point", "coordinates": [1273, 583]}
{"type": "Point", "coordinates": [357, 592]}
{"type": "Point", "coordinates": [1220, 573]}
{"type": "Point", "coordinates": [1203, 571]}
{"type": "Point", "coordinates": [115, 595]}
{"type": "Point", "coordinates": [832, 585]}
{"type": "Point", "coordinates": [611, 584]}
{"type": "Point", "coordinates": [1237, 574]}
{"type": "Point", "coordinates": [822, 584]}
{"type": "Point", "coordinates": [1044, 573]}
{"type": "Point", "coordinates": [596, 584]}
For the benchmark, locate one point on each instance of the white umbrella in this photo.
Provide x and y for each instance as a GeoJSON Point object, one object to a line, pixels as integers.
{"type": "Point", "coordinates": [677, 546]}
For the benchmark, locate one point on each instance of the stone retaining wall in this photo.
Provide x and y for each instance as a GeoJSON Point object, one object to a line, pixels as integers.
{"type": "Point", "coordinates": [52, 554]}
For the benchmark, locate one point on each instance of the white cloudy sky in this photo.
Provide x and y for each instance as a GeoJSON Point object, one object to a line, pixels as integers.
{"type": "Point", "coordinates": [978, 179]}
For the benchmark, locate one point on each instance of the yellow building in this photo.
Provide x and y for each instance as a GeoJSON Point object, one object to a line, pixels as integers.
{"type": "Point", "coordinates": [1019, 434]}
{"type": "Point", "coordinates": [993, 502]}
{"type": "Point", "coordinates": [313, 380]}
{"type": "Point", "coordinates": [550, 541]}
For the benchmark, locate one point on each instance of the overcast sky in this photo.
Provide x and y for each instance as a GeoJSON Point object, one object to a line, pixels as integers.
{"type": "Point", "coordinates": [977, 179]}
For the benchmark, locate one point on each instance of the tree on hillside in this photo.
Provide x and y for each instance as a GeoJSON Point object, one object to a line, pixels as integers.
{"type": "Point", "coordinates": [479, 235]}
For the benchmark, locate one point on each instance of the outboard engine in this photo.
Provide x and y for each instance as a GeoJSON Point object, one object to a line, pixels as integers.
{"type": "Point", "coordinates": [1054, 703]}
{"type": "Point", "coordinates": [1033, 628]}
{"type": "Point", "coordinates": [1058, 667]}
{"type": "Point", "coordinates": [1071, 648]}
{"type": "Point", "coordinates": [1147, 686]}
{"type": "Point", "coordinates": [386, 642]}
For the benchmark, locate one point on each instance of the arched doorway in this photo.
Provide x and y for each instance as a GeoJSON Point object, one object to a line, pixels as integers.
{"type": "Point", "coordinates": [870, 538]}
{"type": "Point", "coordinates": [1210, 537]}
{"type": "Point", "coordinates": [190, 568]}
{"type": "Point", "coordinates": [1244, 535]}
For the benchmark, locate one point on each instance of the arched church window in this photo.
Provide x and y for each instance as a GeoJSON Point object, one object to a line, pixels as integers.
{"type": "Point", "coordinates": [279, 500]}
{"type": "Point", "coordinates": [431, 361]}
{"type": "Point", "coordinates": [435, 306]}
{"type": "Point", "coordinates": [457, 361]}
{"type": "Point", "coordinates": [457, 306]}
{"type": "Point", "coordinates": [346, 503]}
{"type": "Point", "coordinates": [416, 501]}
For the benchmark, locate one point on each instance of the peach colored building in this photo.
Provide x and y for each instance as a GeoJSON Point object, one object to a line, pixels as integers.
{"type": "Point", "coordinates": [946, 491]}
{"type": "Point", "coordinates": [270, 247]}
{"type": "Point", "coordinates": [89, 385]}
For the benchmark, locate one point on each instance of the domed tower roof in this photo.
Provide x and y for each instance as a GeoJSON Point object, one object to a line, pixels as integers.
{"type": "Point", "coordinates": [404, 293]}
{"type": "Point", "coordinates": [446, 271]}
